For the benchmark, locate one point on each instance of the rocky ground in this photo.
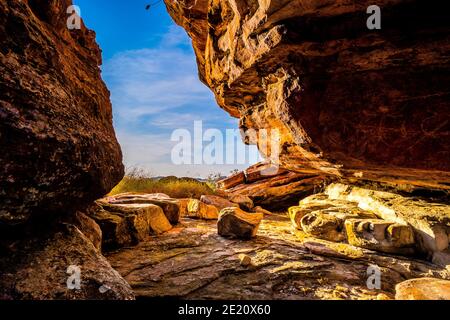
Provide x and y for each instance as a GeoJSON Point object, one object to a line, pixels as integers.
{"type": "Point", "coordinates": [192, 261]}
{"type": "Point", "coordinates": [326, 247]}
{"type": "Point", "coordinates": [364, 178]}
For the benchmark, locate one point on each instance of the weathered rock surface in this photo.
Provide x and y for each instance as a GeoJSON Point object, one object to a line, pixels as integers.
{"type": "Point", "coordinates": [244, 202]}
{"type": "Point", "coordinates": [429, 220]}
{"type": "Point", "coordinates": [380, 235]}
{"type": "Point", "coordinates": [128, 224]}
{"type": "Point", "coordinates": [200, 210]}
{"type": "Point", "coordinates": [275, 189]}
{"type": "Point", "coordinates": [40, 268]}
{"type": "Point", "coordinates": [376, 220]}
{"type": "Point", "coordinates": [55, 114]}
{"type": "Point", "coordinates": [88, 227]}
{"type": "Point", "coordinates": [219, 202]}
{"type": "Point", "coordinates": [236, 223]}
{"type": "Point", "coordinates": [193, 262]}
{"type": "Point", "coordinates": [367, 105]}
{"type": "Point", "coordinates": [423, 289]}
{"type": "Point", "coordinates": [170, 206]}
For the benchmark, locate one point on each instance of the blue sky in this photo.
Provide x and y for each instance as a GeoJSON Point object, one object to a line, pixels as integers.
{"type": "Point", "coordinates": [149, 67]}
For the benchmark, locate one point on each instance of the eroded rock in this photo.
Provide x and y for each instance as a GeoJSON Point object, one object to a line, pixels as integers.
{"type": "Point", "coordinates": [40, 268]}
{"type": "Point", "coordinates": [423, 289]}
{"type": "Point", "coordinates": [236, 223]}
{"type": "Point", "coordinates": [219, 202]}
{"type": "Point", "coordinates": [170, 206]}
{"type": "Point", "coordinates": [243, 201]}
{"type": "Point", "coordinates": [200, 210]}
{"type": "Point", "coordinates": [128, 224]}
{"type": "Point", "coordinates": [430, 221]}
{"type": "Point", "coordinates": [88, 227]}
{"type": "Point", "coordinates": [55, 114]}
{"type": "Point", "coordinates": [380, 235]}
{"type": "Point", "coordinates": [344, 100]}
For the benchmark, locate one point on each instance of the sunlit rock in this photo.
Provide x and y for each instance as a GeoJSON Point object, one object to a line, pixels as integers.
{"type": "Point", "coordinates": [128, 224]}
{"type": "Point", "coordinates": [243, 201]}
{"type": "Point", "coordinates": [200, 210]}
{"type": "Point", "coordinates": [423, 289]}
{"type": "Point", "coordinates": [170, 206]}
{"type": "Point", "coordinates": [47, 266]}
{"type": "Point", "coordinates": [236, 223]}
{"type": "Point", "coordinates": [217, 201]}
{"type": "Point", "coordinates": [380, 235]}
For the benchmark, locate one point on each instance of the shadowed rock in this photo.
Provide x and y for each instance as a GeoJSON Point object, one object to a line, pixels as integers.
{"type": "Point", "coordinates": [128, 224]}
{"type": "Point", "coordinates": [40, 268]}
{"type": "Point", "coordinates": [55, 114]}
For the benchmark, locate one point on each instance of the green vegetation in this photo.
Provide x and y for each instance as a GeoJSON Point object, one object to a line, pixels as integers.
{"type": "Point", "coordinates": [139, 181]}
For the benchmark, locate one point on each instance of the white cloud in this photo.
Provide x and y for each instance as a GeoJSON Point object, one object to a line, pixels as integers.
{"type": "Point", "coordinates": [157, 90]}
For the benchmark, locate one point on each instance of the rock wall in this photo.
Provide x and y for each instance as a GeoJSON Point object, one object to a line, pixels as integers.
{"type": "Point", "coordinates": [59, 150]}
{"type": "Point", "coordinates": [349, 101]}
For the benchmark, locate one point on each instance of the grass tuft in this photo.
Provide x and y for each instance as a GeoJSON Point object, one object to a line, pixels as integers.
{"type": "Point", "coordinates": [139, 181]}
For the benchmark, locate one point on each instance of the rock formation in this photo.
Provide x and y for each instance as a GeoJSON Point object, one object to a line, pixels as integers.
{"type": "Point", "coordinates": [423, 289]}
{"type": "Point", "coordinates": [364, 110]}
{"type": "Point", "coordinates": [236, 223]}
{"type": "Point", "coordinates": [59, 154]}
{"type": "Point", "coordinates": [60, 150]}
{"type": "Point", "coordinates": [367, 105]}
{"type": "Point", "coordinates": [376, 220]}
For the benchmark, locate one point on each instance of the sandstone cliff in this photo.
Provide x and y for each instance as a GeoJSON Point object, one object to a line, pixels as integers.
{"type": "Point", "coordinates": [59, 150]}
{"type": "Point", "coordinates": [349, 101]}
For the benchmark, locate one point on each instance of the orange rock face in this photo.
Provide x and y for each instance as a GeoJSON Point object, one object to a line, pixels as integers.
{"type": "Point", "coordinates": [59, 150]}
{"type": "Point", "coordinates": [349, 101]}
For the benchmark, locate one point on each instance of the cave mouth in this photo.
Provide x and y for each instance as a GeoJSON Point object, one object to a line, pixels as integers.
{"type": "Point", "coordinates": [76, 227]}
{"type": "Point", "coordinates": [292, 219]}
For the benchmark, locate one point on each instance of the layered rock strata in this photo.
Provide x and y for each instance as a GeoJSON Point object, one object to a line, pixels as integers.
{"type": "Point", "coordinates": [60, 152]}
{"type": "Point", "coordinates": [368, 105]}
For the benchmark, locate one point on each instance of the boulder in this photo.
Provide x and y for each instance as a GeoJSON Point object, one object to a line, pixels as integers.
{"type": "Point", "coordinates": [236, 223]}
{"type": "Point", "coordinates": [244, 202]}
{"type": "Point", "coordinates": [135, 197]}
{"type": "Point", "coordinates": [45, 266]}
{"type": "Point", "coordinates": [323, 226]}
{"type": "Point", "coordinates": [128, 224]}
{"type": "Point", "coordinates": [429, 220]}
{"type": "Point", "coordinates": [423, 289]}
{"type": "Point", "coordinates": [217, 201]}
{"type": "Point", "coordinates": [114, 230]}
{"type": "Point", "coordinates": [183, 205]}
{"type": "Point", "coordinates": [55, 114]}
{"type": "Point", "coordinates": [442, 258]}
{"type": "Point", "coordinates": [170, 206]}
{"type": "Point", "coordinates": [200, 210]}
{"type": "Point", "coordinates": [380, 235]}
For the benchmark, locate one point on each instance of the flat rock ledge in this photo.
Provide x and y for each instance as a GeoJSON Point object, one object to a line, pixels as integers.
{"type": "Point", "coordinates": [191, 261]}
